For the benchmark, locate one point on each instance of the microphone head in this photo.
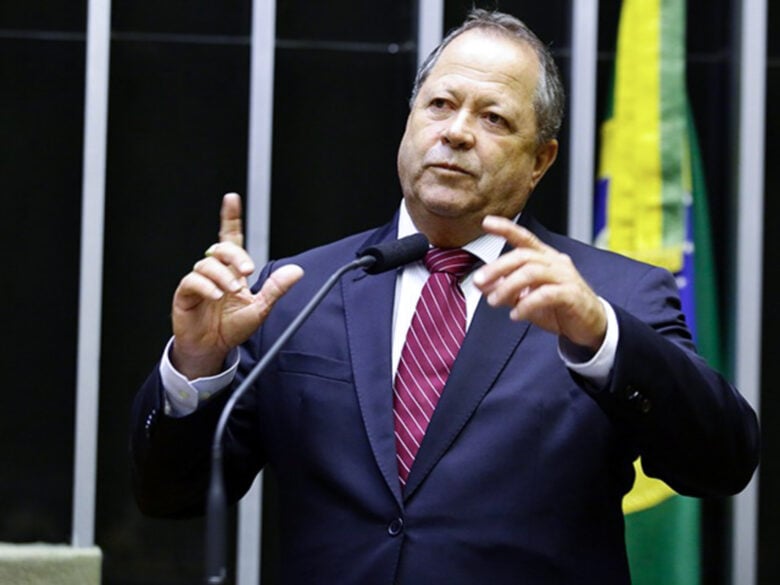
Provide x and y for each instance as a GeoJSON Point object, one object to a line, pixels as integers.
{"type": "Point", "coordinates": [390, 255]}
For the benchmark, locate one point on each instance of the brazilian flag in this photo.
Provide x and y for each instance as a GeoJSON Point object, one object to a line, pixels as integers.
{"type": "Point", "coordinates": [651, 204]}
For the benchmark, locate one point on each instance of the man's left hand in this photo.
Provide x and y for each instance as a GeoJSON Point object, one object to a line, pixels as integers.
{"type": "Point", "coordinates": [541, 285]}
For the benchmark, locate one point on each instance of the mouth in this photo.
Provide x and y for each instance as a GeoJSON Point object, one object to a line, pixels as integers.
{"type": "Point", "coordinates": [445, 166]}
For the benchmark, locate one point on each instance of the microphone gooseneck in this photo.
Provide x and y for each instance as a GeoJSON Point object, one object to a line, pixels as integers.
{"type": "Point", "coordinates": [374, 260]}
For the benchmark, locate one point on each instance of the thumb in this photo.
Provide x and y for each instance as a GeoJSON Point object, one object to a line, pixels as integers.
{"type": "Point", "coordinates": [276, 286]}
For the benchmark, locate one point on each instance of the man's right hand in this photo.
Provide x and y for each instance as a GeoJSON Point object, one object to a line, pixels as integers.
{"type": "Point", "coordinates": [213, 308]}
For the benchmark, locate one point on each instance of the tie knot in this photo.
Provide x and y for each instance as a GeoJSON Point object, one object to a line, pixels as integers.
{"type": "Point", "coordinates": [455, 261]}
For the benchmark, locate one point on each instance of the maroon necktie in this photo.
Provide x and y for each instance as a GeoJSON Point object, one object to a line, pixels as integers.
{"type": "Point", "coordinates": [432, 342]}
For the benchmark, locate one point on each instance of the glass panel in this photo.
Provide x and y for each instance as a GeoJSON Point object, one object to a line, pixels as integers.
{"type": "Point", "coordinates": [44, 15]}
{"type": "Point", "coordinates": [769, 480]}
{"type": "Point", "coordinates": [338, 120]}
{"type": "Point", "coordinates": [190, 17]}
{"type": "Point", "coordinates": [346, 21]}
{"type": "Point", "coordinates": [549, 20]}
{"type": "Point", "coordinates": [773, 25]}
{"type": "Point", "coordinates": [41, 128]}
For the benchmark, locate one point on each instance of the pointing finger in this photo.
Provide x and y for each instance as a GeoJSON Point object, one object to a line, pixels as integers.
{"type": "Point", "coordinates": [516, 235]}
{"type": "Point", "coordinates": [231, 228]}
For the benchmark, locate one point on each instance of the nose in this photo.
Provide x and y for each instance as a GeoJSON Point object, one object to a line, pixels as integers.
{"type": "Point", "coordinates": [458, 133]}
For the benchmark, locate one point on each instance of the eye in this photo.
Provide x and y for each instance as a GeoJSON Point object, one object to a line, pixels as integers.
{"type": "Point", "coordinates": [496, 119]}
{"type": "Point", "coordinates": [439, 108]}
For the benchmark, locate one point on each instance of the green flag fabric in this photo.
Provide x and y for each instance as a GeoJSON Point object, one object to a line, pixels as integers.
{"type": "Point", "coordinates": [651, 204]}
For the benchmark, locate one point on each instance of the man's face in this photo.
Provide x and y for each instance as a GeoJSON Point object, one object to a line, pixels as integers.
{"type": "Point", "coordinates": [469, 148]}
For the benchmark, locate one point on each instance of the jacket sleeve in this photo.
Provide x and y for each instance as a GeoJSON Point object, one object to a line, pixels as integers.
{"type": "Point", "coordinates": [691, 427]}
{"type": "Point", "coordinates": [171, 457]}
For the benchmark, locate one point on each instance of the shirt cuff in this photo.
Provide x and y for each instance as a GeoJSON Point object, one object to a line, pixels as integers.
{"type": "Point", "coordinates": [597, 368]}
{"type": "Point", "coordinates": [183, 396]}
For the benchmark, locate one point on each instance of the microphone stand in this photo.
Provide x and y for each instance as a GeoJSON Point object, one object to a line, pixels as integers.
{"type": "Point", "coordinates": [216, 504]}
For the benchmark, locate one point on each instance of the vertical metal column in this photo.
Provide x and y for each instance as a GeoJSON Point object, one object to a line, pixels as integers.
{"type": "Point", "coordinates": [749, 260]}
{"type": "Point", "coordinates": [258, 210]}
{"type": "Point", "coordinates": [91, 265]}
{"type": "Point", "coordinates": [430, 24]}
{"type": "Point", "coordinates": [582, 143]}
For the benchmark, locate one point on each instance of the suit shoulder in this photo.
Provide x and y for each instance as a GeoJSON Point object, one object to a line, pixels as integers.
{"type": "Point", "coordinates": [588, 256]}
{"type": "Point", "coordinates": [613, 276]}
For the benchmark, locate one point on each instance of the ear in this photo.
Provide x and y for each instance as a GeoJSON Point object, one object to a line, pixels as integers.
{"type": "Point", "coordinates": [545, 157]}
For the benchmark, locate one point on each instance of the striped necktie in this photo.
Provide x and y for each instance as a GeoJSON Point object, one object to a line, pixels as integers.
{"type": "Point", "coordinates": [432, 342]}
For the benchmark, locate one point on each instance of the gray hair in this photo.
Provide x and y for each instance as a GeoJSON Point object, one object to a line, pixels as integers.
{"type": "Point", "coordinates": [549, 98]}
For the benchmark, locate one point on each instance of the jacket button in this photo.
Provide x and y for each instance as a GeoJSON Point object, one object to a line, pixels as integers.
{"type": "Point", "coordinates": [395, 527]}
{"type": "Point", "coordinates": [149, 423]}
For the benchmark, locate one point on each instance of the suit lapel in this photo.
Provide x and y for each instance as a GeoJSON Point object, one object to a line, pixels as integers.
{"type": "Point", "coordinates": [368, 305]}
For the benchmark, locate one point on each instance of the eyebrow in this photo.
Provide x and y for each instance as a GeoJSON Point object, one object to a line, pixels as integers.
{"type": "Point", "coordinates": [513, 112]}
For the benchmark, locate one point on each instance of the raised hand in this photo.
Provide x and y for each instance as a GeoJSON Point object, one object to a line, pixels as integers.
{"type": "Point", "coordinates": [213, 308]}
{"type": "Point", "coordinates": [541, 285]}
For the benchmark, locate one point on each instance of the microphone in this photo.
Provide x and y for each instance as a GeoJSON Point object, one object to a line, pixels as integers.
{"type": "Point", "coordinates": [374, 260]}
{"type": "Point", "coordinates": [389, 255]}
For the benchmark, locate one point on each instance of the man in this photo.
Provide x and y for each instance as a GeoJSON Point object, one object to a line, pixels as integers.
{"type": "Point", "coordinates": [575, 361]}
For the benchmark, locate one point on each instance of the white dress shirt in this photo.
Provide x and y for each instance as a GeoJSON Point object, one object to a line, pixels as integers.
{"type": "Point", "coordinates": [183, 396]}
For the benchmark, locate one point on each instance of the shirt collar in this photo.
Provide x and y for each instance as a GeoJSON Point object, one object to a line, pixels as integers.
{"type": "Point", "coordinates": [486, 247]}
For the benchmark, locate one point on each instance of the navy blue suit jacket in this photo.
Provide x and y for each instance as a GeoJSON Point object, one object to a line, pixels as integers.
{"type": "Point", "coordinates": [521, 473]}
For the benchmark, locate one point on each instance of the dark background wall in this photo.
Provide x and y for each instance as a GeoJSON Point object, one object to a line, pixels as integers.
{"type": "Point", "coordinates": [177, 140]}
{"type": "Point", "coordinates": [42, 52]}
{"type": "Point", "coordinates": [769, 509]}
